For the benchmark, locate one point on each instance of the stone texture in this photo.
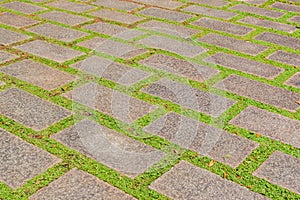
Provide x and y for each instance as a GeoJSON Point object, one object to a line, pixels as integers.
{"type": "Point", "coordinates": [245, 65]}
{"type": "Point", "coordinates": [279, 39]}
{"type": "Point", "coordinates": [287, 7]}
{"type": "Point", "coordinates": [233, 44]}
{"type": "Point", "coordinates": [111, 102]}
{"type": "Point", "coordinates": [256, 2]}
{"type": "Point", "coordinates": [16, 20]}
{"type": "Point", "coordinates": [161, 3]}
{"type": "Point", "coordinates": [286, 57]}
{"type": "Point", "coordinates": [30, 110]}
{"type": "Point", "coordinates": [281, 169]}
{"type": "Point", "coordinates": [217, 3]}
{"type": "Point", "coordinates": [222, 26]}
{"type": "Point", "coordinates": [49, 51]}
{"type": "Point", "coordinates": [38, 74]}
{"type": "Point", "coordinates": [67, 5]}
{"type": "Point", "coordinates": [179, 67]}
{"type": "Point", "coordinates": [269, 124]}
{"type": "Point", "coordinates": [109, 147]}
{"type": "Point", "coordinates": [116, 16]}
{"type": "Point", "coordinates": [268, 24]}
{"type": "Point", "coordinates": [295, 19]}
{"type": "Point", "coordinates": [166, 14]}
{"type": "Point", "coordinates": [21, 161]}
{"type": "Point", "coordinates": [189, 97]}
{"type": "Point", "coordinates": [186, 181]}
{"type": "Point", "coordinates": [175, 46]}
{"type": "Point", "coordinates": [210, 12]}
{"type": "Point", "coordinates": [110, 70]}
{"type": "Point", "coordinates": [10, 37]}
{"type": "Point", "coordinates": [258, 91]}
{"type": "Point", "coordinates": [77, 184]}
{"type": "Point", "coordinates": [64, 18]}
{"type": "Point", "coordinates": [5, 56]}
{"type": "Point", "coordinates": [202, 138]}
{"type": "Point", "coordinates": [257, 10]}
{"type": "Point", "coordinates": [58, 32]}
{"type": "Point", "coordinates": [294, 80]}
{"type": "Point", "coordinates": [23, 7]}
{"type": "Point", "coordinates": [117, 4]}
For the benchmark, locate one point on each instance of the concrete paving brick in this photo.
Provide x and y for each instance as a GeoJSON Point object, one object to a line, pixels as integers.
{"type": "Point", "coordinates": [5, 56]}
{"type": "Point", "coordinates": [182, 48]}
{"type": "Point", "coordinates": [107, 69]}
{"type": "Point", "coordinates": [257, 2]}
{"type": "Point", "coordinates": [72, 6]}
{"type": "Point", "coordinates": [279, 39]}
{"type": "Point", "coordinates": [287, 7]}
{"type": "Point", "coordinates": [257, 10]}
{"type": "Point", "coordinates": [16, 20]}
{"type": "Point", "coordinates": [38, 74]}
{"type": "Point", "coordinates": [180, 67]}
{"type": "Point", "coordinates": [161, 3]}
{"type": "Point", "coordinates": [111, 102]}
{"type": "Point", "coordinates": [10, 37]}
{"type": "Point", "coordinates": [202, 138]}
{"type": "Point", "coordinates": [117, 16]}
{"type": "Point", "coordinates": [233, 44]}
{"type": "Point", "coordinates": [269, 24]}
{"type": "Point", "coordinates": [58, 32]}
{"type": "Point", "coordinates": [217, 3]}
{"type": "Point", "coordinates": [109, 147]}
{"type": "Point", "coordinates": [245, 65]}
{"type": "Point", "coordinates": [281, 169]}
{"type": "Point", "coordinates": [117, 4]}
{"type": "Point", "coordinates": [294, 80]}
{"type": "Point", "coordinates": [222, 26]}
{"type": "Point", "coordinates": [189, 97]}
{"type": "Point", "coordinates": [295, 19]}
{"type": "Point", "coordinates": [186, 181]}
{"type": "Point", "coordinates": [49, 51]}
{"type": "Point", "coordinates": [23, 7]}
{"type": "Point", "coordinates": [30, 110]}
{"type": "Point", "coordinates": [258, 91]}
{"type": "Point", "coordinates": [77, 184]}
{"type": "Point", "coordinates": [21, 161]}
{"type": "Point", "coordinates": [64, 18]}
{"type": "Point", "coordinates": [269, 124]}
{"type": "Point", "coordinates": [210, 12]}
{"type": "Point", "coordinates": [286, 57]}
{"type": "Point", "coordinates": [166, 14]}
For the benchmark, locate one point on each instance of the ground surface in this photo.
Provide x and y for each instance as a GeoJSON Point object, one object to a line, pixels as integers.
{"type": "Point", "coordinates": [149, 99]}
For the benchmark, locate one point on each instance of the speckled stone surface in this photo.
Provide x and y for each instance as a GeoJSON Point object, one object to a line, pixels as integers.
{"type": "Point", "coordinates": [5, 56]}
{"type": "Point", "coordinates": [285, 6]}
{"type": "Point", "coordinates": [10, 37]}
{"type": "Point", "coordinates": [64, 18]}
{"type": "Point", "coordinates": [294, 80]}
{"type": "Point", "coordinates": [72, 6]}
{"type": "Point", "coordinates": [17, 21]}
{"type": "Point", "coordinates": [286, 57]}
{"type": "Point", "coordinates": [23, 7]}
{"type": "Point", "coordinates": [217, 3]}
{"type": "Point", "coordinates": [257, 11]}
{"type": "Point", "coordinates": [210, 12]}
{"type": "Point", "coordinates": [117, 16]}
{"type": "Point", "coordinates": [279, 39]}
{"type": "Point", "coordinates": [164, 4]}
{"type": "Point", "coordinates": [117, 4]}
{"type": "Point", "coordinates": [166, 14]}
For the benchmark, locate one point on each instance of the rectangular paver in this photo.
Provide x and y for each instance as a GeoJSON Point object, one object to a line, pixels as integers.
{"type": "Point", "coordinates": [72, 6]}
{"type": "Point", "coordinates": [17, 21]}
{"type": "Point", "coordinates": [279, 39]}
{"type": "Point", "coordinates": [161, 3]}
{"type": "Point", "coordinates": [210, 12]}
{"type": "Point", "coordinates": [5, 56]}
{"type": "Point", "coordinates": [295, 19]}
{"type": "Point", "coordinates": [287, 7]}
{"type": "Point", "coordinates": [294, 80]}
{"type": "Point", "coordinates": [286, 57]}
{"type": "Point", "coordinates": [117, 4]}
{"type": "Point", "coordinates": [217, 3]}
{"type": "Point", "coordinates": [23, 7]}
{"type": "Point", "coordinates": [117, 16]}
{"type": "Point", "coordinates": [166, 14]}
{"type": "Point", "coordinates": [10, 37]}
{"type": "Point", "coordinates": [256, 2]}
{"type": "Point", "coordinates": [257, 10]}
{"type": "Point", "coordinates": [64, 18]}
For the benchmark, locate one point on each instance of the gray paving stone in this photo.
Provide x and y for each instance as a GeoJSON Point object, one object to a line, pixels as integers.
{"type": "Point", "coordinates": [72, 6]}
{"type": "Point", "coordinates": [116, 16]}
{"type": "Point", "coordinates": [186, 181]}
{"type": "Point", "coordinates": [268, 24]}
{"type": "Point", "coordinates": [222, 26]}
{"type": "Point", "coordinates": [107, 69]}
{"type": "Point", "coordinates": [21, 161]}
{"type": "Point", "coordinates": [111, 102]}
{"type": "Point", "coordinates": [217, 3]}
{"type": "Point", "coordinates": [189, 97]}
{"type": "Point", "coordinates": [49, 51]}
{"type": "Point", "coordinates": [245, 65]}
{"type": "Point", "coordinates": [77, 184]}
{"type": "Point", "coordinates": [257, 2]}
{"type": "Point", "coordinates": [202, 138]}
{"type": "Point", "coordinates": [117, 4]}
{"type": "Point", "coordinates": [210, 12]}
{"type": "Point", "coordinates": [179, 67]}
{"type": "Point", "coordinates": [166, 14]}
{"type": "Point", "coordinates": [269, 124]}
{"type": "Point", "coordinates": [287, 7]}
{"type": "Point", "coordinates": [5, 56]}
{"type": "Point", "coordinates": [233, 44]}
{"type": "Point", "coordinates": [58, 32]}
{"type": "Point", "coordinates": [286, 57]}
{"type": "Point", "coordinates": [181, 48]}
{"type": "Point", "coordinates": [23, 7]}
{"type": "Point", "coordinates": [281, 169]}
{"type": "Point", "coordinates": [258, 91]}
{"type": "Point", "coordinates": [16, 20]}
{"type": "Point", "coordinates": [10, 37]}
{"type": "Point", "coordinates": [161, 3]}
{"type": "Point", "coordinates": [109, 147]}
{"type": "Point", "coordinates": [64, 18]}
{"type": "Point", "coordinates": [294, 80]}
{"type": "Point", "coordinates": [295, 19]}
{"type": "Point", "coordinates": [257, 10]}
{"type": "Point", "coordinates": [30, 110]}
{"type": "Point", "coordinates": [38, 74]}
{"type": "Point", "coordinates": [279, 39]}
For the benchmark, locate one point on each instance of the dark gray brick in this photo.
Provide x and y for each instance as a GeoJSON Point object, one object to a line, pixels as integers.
{"type": "Point", "coordinates": [222, 26]}
{"type": "Point", "coordinates": [186, 181]}
{"type": "Point", "coordinates": [75, 7]}
{"type": "Point", "coordinates": [217, 3]}
{"type": "Point", "coordinates": [164, 4]}
{"type": "Point", "coordinates": [30, 110]}
{"type": "Point", "coordinates": [233, 44]}
{"type": "Point", "coordinates": [38, 74]}
{"type": "Point", "coordinates": [268, 94]}
{"type": "Point", "coordinates": [5, 56]}
{"type": "Point", "coordinates": [281, 169]}
{"type": "Point", "coordinates": [16, 20]}
{"type": "Point", "coordinates": [285, 6]}
{"type": "Point", "coordinates": [23, 7]}
{"type": "Point", "coordinates": [116, 16]}
{"type": "Point", "coordinates": [180, 67]}
{"type": "Point", "coordinates": [10, 37]}
{"type": "Point", "coordinates": [294, 80]}
{"type": "Point", "coordinates": [109, 147]}
{"type": "Point", "coordinates": [64, 18]}
{"type": "Point", "coordinates": [257, 10]}
{"type": "Point", "coordinates": [279, 39]}
{"type": "Point", "coordinates": [166, 14]}
{"type": "Point", "coordinates": [121, 5]}
{"type": "Point", "coordinates": [77, 184]}
{"type": "Point", "coordinates": [285, 57]}
{"type": "Point", "coordinates": [269, 124]}
{"type": "Point", "coordinates": [210, 12]}
{"type": "Point", "coordinates": [295, 19]}
{"type": "Point", "coordinates": [245, 65]}
{"type": "Point", "coordinates": [49, 51]}
{"type": "Point", "coordinates": [21, 161]}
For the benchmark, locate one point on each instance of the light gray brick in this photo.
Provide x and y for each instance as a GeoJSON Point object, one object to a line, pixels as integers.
{"type": "Point", "coordinates": [16, 20]}
{"type": "Point", "coordinates": [257, 10]}
{"type": "Point", "coordinates": [294, 80]}
{"type": "Point", "coordinates": [287, 7]}
{"type": "Point", "coordinates": [217, 3]}
{"type": "Point", "coordinates": [5, 56]}
{"type": "Point", "coordinates": [161, 3]}
{"type": "Point", "coordinates": [286, 57]}
{"type": "Point", "coordinates": [64, 18]}
{"type": "Point", "coordinates": [10, 37]}
{"type": "Point", "coordinates": [67, 5]}
{"type": "Point", "coordinates": [117, 4]}
{"type": "Point", "coordinates": [279, 39]}
{"type": "Point", "coordinates": [210, 12]}
{"type": "Point", "coordinates": [23, 7]}
{"type": "Point", "coordinates": [295, 19]}
{"type": "Point", "coordinates": [166, 14]}
{"type": "Point", "coordinates": [116, 16]}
